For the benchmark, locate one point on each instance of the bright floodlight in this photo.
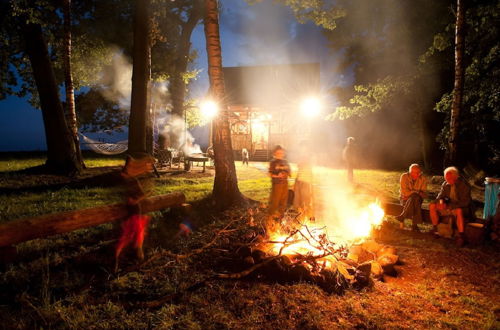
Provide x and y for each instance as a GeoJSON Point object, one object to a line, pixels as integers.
{"type": "Point", "coordinates": [310, 107]}
{"type": "Point", "coordinates": [209, 109]}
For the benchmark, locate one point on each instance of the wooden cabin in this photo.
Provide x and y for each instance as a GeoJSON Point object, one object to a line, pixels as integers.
{"type": "Point", "coordinates": [264, 104]}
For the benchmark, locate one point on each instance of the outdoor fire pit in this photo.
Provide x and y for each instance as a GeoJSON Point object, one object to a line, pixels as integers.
{"type": "Point", "coordinates": [302, 250]}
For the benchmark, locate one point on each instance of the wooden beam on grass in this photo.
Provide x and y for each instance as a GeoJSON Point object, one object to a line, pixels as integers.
{"type": "Point", "coordinates": [23, 230]}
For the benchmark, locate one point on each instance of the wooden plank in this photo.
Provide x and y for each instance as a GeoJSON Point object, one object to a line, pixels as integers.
{"type": "Point", "coordinates": [18, 231]}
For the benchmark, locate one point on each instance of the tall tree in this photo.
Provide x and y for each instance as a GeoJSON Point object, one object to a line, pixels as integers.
{"type": "Point", "coordinates": [458, 86]}
{"type": "Point", "coordinates": [68, 82]}
{"type": "Point", "coordinates": [178, 81]}
{"type": "Point", "coordinates": [61, 152]}
{"type": "Point", "coordinates": [139, 110]}
{"type": "Point", "coordinates": [225, 191]}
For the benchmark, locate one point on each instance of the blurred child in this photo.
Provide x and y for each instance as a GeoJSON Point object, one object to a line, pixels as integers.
{"type": "Point", "coordinates": [134, 227]}
{"type": "Point", "coordinates": [279, 171]}
{"type": "Point", "coordinates": [244, 156]}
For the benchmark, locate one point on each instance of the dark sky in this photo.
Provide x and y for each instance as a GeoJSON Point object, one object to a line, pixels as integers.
{"type": "Point", "coordinates": [262, 34]}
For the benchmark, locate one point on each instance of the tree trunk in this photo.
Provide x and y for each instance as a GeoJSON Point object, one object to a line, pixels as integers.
{"type": "Point", "coordinates": [23, 230]}
{"type": "Point", "coordinates": [140, 79]}
{"type": "Point", "coordinates": [452, 151]}
{"type": "Point", "coordinates": [61, 152]}
{"type": "Point", "coordinates": [177, 83]}
{"type": "Point", "coordinates": [225, 190]}
{"type": "Point", "coordinates": [68, 82]}
{"type": "Point", "coordinates": [150, 116]}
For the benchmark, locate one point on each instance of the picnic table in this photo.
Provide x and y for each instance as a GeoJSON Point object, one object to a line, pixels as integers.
{"type": "Point", "coordinates": [195, 158]}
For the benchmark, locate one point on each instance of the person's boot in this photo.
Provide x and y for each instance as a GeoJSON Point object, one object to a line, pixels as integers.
{"type": "Point", "coordinates": [460, 241]}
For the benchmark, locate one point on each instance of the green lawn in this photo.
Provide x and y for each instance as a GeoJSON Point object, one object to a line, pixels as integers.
{"type": "Point", "coordinates": [29, 195]}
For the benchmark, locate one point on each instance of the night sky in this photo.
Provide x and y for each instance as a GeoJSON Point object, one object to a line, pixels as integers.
{"type": "Point", "coordinates": [250, 35]}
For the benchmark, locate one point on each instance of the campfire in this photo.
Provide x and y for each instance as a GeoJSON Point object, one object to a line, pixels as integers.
{"type": "Point", "coordinates": [301, 249]}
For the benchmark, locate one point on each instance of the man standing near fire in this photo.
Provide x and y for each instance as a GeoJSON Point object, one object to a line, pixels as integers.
{"type": "Point", "coordinates": [303, 191]}
{"type": "Point", "coordinates": [279, 171]}
{"type": "Point", "coordinates": [412, 190]}
{"type": "Point", "coordinates": [349, 158]}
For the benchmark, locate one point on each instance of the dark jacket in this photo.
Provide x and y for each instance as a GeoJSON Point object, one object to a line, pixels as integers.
{"type": "Point", "coordinates": [464, 200]}
{"type": "Point", "coordinates": [277, 166]}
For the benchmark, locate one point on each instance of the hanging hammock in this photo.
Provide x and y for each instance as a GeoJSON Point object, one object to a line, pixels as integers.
{"type": "Point", "coordinates": [105, 148]}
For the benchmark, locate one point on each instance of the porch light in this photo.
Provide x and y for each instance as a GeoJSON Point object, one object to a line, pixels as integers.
{"type": "Point", "coordinates": [209, 109]}
{"type": "Point", "coordinates": [310, 107]}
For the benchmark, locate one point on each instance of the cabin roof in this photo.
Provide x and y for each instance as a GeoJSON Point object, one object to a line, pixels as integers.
{"type": "Point", "coordinates": [271, 86]}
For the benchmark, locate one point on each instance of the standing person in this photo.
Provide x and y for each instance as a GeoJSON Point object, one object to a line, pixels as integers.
{"type": "Point", "coordinates": [303, 191]}
{"type": "Point", "coordinates": [453, 199]}
{"type": "Point", "coordinates": [137, 178]}
{"type": "Point", "coordinates": [244, 156]}
{"type": "Point", "coordinates": [279, 171]}
{"type": "Point", "coordinates": [349, 157]}
{"type": "Point", "coordinates": [412, 190]}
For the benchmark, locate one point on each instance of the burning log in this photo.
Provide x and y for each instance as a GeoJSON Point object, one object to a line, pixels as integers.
{"type": "Point", "coordinates": [296, 250]}
{"type": "Point", "coordinates": [18, 231]}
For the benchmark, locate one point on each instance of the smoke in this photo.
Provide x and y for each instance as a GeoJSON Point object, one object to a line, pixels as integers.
{"type": "Point", "coordinates": [117, 79]}
{"type": "Point", "coordinates": [173, 129]}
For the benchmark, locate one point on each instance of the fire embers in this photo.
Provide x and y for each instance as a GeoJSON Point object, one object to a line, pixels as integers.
{"type": "Point", "coordinates": [334, 269]}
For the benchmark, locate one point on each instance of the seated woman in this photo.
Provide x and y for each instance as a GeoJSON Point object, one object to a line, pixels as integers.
{"type": "Point", "coordinates": [413, 189]}
{"type": "Point", "coordinates": [453, 199]}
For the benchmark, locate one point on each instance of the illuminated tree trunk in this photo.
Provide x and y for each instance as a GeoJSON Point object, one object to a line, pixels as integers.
{"type": "Point", "coordinates": [61, 152]}
{"type": "Point", "coordinates": [68, 82]}
{"type": "Point", "coordinates": [458, 88]}
{"type": "Point", "coordinates": [177, 83]}
{"type": "Point", "coordinates": [225, 190]}
{"type": "Point", "coordinates": [139, 109]}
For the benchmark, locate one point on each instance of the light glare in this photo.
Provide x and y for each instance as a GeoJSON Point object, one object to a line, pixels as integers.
{"type": "Point", "coordinates": [311, 107]}
{"type": "Point", "coordinates": [209, 109]}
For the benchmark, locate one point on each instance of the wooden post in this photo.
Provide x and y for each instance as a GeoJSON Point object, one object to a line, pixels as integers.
{"type": "Point", "coordinates": [19, 231]}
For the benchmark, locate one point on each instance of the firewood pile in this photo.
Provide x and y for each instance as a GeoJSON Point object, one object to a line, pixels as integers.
{"type": "Point", "coordinates": [305, 253]}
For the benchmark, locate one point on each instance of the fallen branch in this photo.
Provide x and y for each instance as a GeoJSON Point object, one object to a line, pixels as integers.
{"type": "Point", "coordinates": [179, 257]}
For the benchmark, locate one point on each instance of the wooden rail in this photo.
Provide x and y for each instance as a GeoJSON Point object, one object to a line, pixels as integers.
{"type": "Point", "coordinates": [23, 230]}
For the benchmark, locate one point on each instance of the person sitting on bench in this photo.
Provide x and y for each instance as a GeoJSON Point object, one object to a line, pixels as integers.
{"type": "Point", "coordinates": [454, 199]}
{"type": "Point", "coordinates": [412, 190]}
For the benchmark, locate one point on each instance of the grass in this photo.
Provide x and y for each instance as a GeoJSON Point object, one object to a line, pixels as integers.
{"type": "Point", "coordinates": [66, 282]}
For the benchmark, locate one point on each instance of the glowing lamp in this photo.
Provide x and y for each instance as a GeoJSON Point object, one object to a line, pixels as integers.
{"type": "Point", "coordinates": [209, 109]}
{"type": "Point", "coordinates": [310, 107]}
